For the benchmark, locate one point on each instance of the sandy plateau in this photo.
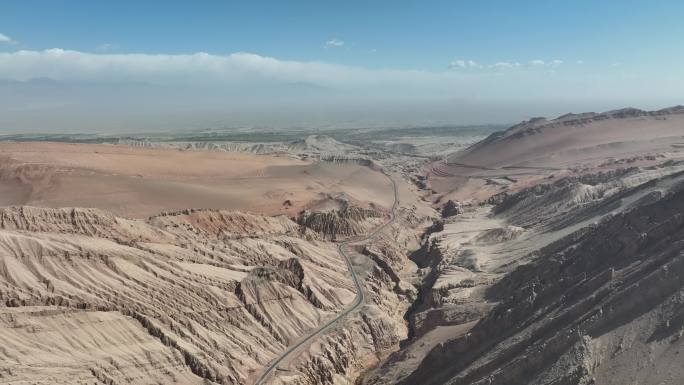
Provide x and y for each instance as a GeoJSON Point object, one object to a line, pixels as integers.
{"type": "Point", "coordinates": [547, 253]}
{"type": "Point", "coordinates": [139, 182]}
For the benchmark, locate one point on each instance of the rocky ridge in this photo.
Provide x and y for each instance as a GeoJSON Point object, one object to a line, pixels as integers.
{"type": "Point", "coordinates": [467, 258]}
{"type": "Point", "coordinates": [566, 316]}
{"type": "Point", "coordinates": [347, 221]}
{"type": "Point", "coordinates": [535, 125]}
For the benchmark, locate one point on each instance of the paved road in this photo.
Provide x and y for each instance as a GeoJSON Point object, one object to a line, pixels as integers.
{"type": "Point", "coordinates": [359, 301]}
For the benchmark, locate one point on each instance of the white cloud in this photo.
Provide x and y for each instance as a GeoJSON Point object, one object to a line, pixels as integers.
{"type": "Point", "coordinates": [580, 62]}
{"type": "Point", "coordinates": [334, 43]}
{"type": "Point", "coordinates": [243, 73]}
{"type": "Point", "coordinates": [239, 69]}
{"type": "Point", "coordinates": [6, 39]}
{"type": "Point", "coordinates": [541, 63]}
{"type": "Point", "coordinates": [504, 65]}
{"type": "Point", "coordinates": [106, 47]}
{"type": "Point", "coordinates": [456, 64]}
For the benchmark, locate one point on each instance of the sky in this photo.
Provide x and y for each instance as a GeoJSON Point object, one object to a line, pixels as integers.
{"type": "Point", "coordinates": [155, 65]}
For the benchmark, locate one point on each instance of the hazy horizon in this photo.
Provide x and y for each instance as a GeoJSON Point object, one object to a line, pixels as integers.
{"type": "Point", "coordinates": [127, 67]}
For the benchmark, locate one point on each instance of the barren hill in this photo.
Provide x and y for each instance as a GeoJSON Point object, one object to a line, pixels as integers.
{"type": "Point", "coordinates": [559, 146]}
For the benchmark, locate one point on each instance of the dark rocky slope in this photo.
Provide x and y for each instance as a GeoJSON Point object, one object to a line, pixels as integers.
{"type": "Point", "coordinates": [603, 305]}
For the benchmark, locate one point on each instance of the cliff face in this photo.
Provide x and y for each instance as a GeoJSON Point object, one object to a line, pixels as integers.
{"type": "Point", "coordinates": [601, 304]}
{"type": "Point", "coordinates": [340, 223]}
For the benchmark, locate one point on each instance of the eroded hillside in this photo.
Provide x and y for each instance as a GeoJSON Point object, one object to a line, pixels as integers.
{"type": "Point", "coordinates": [183, 296]}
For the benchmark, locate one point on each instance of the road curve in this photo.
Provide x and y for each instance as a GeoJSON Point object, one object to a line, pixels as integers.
{"type": "Point", "coordinates": [360, 299]}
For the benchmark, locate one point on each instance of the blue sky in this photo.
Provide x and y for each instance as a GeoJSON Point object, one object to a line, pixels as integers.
{"type": "Point", "coordinates": [578, 54]}
{"type": "Point", "coordinates": [399, 34]}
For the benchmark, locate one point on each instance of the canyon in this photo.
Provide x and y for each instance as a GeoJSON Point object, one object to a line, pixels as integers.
{"type": "Point", "coordinates": [546, 253]}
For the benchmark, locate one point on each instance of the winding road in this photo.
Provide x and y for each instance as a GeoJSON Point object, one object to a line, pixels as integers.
{"type": "Point", "coordinates": [360, 299]}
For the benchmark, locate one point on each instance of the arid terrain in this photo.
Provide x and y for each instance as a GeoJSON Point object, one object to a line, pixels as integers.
{"type": "Point", "coordinates": [547, 253]}
{"type": "Point", "coordinates": [139, 182]}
